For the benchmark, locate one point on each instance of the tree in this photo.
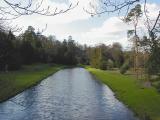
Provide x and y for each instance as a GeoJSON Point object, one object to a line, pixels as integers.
{"type": "Point", "coordinates": [31, 46]}
{"type": "Point", "coordinates": [151, 44]}
{"type": "Point", "coordinates": [133, 16]}
{"type": "Point", "coordinates": [27, 52]}
{"type": "Point", "coordinates": [117, 54]}
{"type": "Point", "coordinates": [132, 12]}
{"type": "Point", "coordinates": [153, 64]}
{"type": "Point", "coordinates": [9, 54]}
{"type": "Point", "coordinates": [5, 46]}
{"type": "Point", "coordinates": [106, 57]}
{"type": "Point", "coordinates": [96, 57]}
{"type": "Point", "coordinates": [129, 6]}
{"type": "Point", "coordinates": [124, 68]}
{"type": "Point", "coordinates": [70, 54]}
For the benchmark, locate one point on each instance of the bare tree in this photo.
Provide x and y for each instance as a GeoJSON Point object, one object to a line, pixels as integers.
{"type": "Point", "coordinates": [110, 6]}
{"type": "Point", "coordinates": [12, 10]}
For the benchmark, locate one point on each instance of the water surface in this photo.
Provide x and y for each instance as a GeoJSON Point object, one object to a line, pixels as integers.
{"type": "Point", "coordinates": [70, 94]}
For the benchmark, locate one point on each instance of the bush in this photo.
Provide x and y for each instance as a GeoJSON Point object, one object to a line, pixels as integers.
{"type": "Point", "coordinates": [124, 68]}
{"type": "Point", "coordinates": [110, 64]}
{"type": "Point", "coordinates": [103, 65]}
{"type": "Point", "coordinates": [158, 87]}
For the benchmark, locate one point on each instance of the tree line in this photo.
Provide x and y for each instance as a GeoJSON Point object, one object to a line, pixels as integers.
{"type": "Point", "coordinates": [32, 47]}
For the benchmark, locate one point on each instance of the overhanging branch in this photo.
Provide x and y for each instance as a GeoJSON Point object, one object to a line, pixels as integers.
{"type": "Point", "coordinates": [15, 10]}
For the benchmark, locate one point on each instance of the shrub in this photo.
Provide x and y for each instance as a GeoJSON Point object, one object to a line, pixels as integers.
{"type": "Point", "coordinates": [158, 87]}
{"type": "Point", "coordinates": [103, 65]}
{"type": "Point", "coordinates": [110, 64]}
{"type": "Point", "coordinates": [124, 68]}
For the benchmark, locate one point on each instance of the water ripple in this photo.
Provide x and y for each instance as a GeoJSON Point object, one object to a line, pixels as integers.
{"type": "Point", "coordinates": [70, 94]}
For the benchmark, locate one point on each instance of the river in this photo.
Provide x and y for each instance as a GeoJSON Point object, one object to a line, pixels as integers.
{"type": "Point", "coordinates": [69, 94]}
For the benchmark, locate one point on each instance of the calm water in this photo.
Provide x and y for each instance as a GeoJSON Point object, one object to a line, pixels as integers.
{"type": "Point", "coordinates": [70, 94]}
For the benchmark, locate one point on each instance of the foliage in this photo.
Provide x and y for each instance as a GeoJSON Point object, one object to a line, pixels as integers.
{"type": "Point", "coordinates": [124, 68]}
{"type": "Point", "coordinates": [110, 64]}
{"type": "Point", "coordinates": [134, 14]}
{"type": "Point", "coordinates": [158, 87]}
{"type": "Point", "coordinates": [153, 64]}
{"type": "Point", "coordinates": [103, 65]}
{"type": "Point", "coordinates": [117, 54]}
{"type": "Point", "coordinates": [9, 53]}
{"type": "Point", "coordinates": [151, 46]}
{"type": "Point", "coordinates": [31, 47]}
{"type": "Point", "coordinates": [95, 57]}
{"type": "Point", "coordinates": [106, 57]}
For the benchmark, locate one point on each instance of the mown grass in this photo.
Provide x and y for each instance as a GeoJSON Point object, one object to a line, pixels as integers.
{"type": "Point", "coordinates": [145, 102]}
{"type": "Point", "coordinates": [14, 82]}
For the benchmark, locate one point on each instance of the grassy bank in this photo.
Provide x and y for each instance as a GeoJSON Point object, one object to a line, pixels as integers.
{"type": "Point", "coordinates": [144, 101]}
{"type": "Point", "coordinates": [14, 82]}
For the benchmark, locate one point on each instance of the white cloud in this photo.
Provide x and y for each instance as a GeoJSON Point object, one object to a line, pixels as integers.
{"type": "Point", "coordinates": [56, 24]}
{"type": "Point", "coordinates": [112, 30]}
{"type": "Point", "coordinates": [75, 14]}
{"type": "Point", "coordinates": [111, 26]}
{"type": "Point", "coordinates": [153, 10]}
{"type": "Point", "coordinates": [70, 16]}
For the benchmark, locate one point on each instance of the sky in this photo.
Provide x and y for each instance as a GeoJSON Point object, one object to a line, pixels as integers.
{"type": "Point", "coordinates": [107, 28]}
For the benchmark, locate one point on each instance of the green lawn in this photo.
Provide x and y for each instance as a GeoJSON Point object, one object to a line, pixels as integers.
{"type": "Point", "coordinates": [145, 102]}
{"type": "Point", "coordinates": [14, 82]}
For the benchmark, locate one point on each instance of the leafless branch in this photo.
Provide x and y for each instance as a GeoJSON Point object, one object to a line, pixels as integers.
{"type": "Point", "coordinates": [43, 30]}
{"type": "Point", "coordinates": [15, 10]}
{"type": "Point", "coordinates": [110, 6]}
{"type": "Point", "coordinates": [156, 22]}
{"type": "Point", "coordinates": [147, 22]}
{"type": "Point", "coordinates": [8, 26]}
{"type": "Point", "coordinates": [153, 26]}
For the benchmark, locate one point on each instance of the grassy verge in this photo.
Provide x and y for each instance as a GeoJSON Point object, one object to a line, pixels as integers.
{"type": "Point", "coordinates": [145, 102]}
{"type": "Point", "coordinates": [14, 82]}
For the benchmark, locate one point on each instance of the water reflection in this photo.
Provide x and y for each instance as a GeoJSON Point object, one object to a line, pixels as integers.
{"type": "Point", "coordinates": [70, 94]}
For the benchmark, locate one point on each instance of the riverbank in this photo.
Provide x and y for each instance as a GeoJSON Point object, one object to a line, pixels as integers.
{"type": "Point", "coordinates": [14, 82]}
{"type": "Point", "coordinates": [143, 101]}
